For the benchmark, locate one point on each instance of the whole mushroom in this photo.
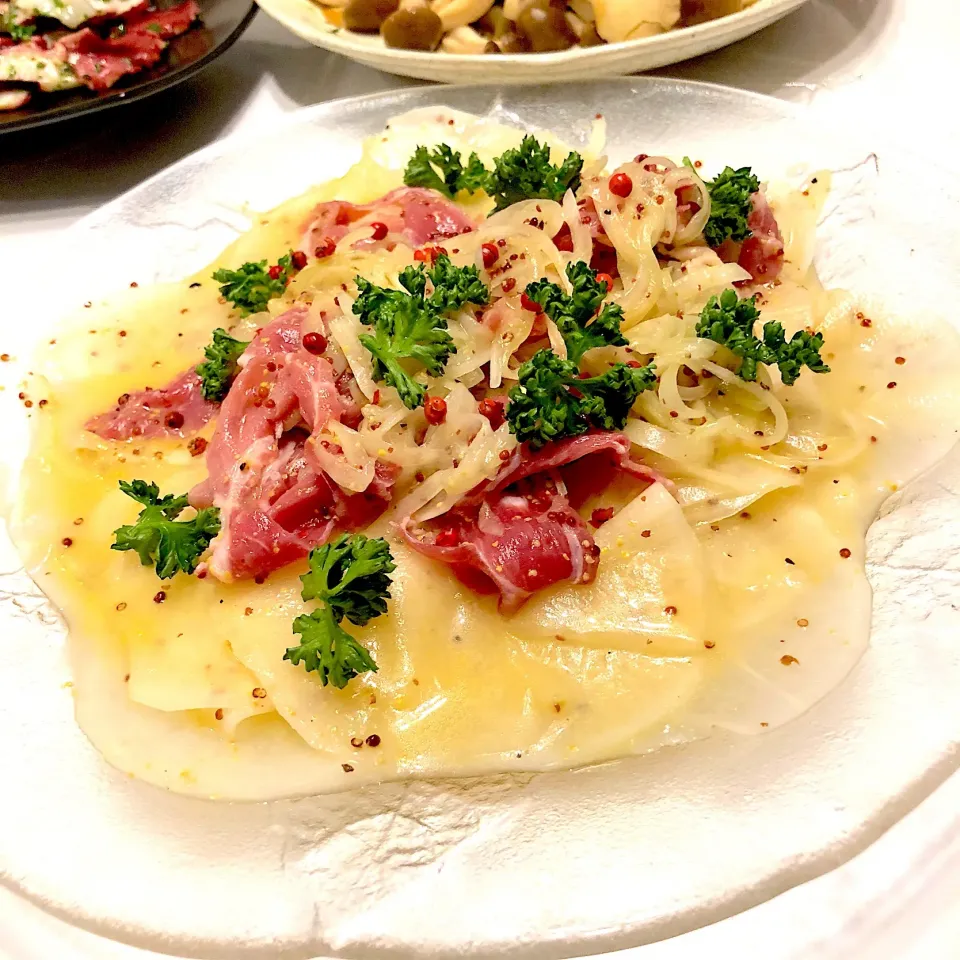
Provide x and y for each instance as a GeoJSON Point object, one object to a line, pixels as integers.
{"type": "Point", "coordinates": [413, 27]}
{"type": "Point", "coordinates": [543, 24]}
{"type": "Point", "coordinates": [367, 16]}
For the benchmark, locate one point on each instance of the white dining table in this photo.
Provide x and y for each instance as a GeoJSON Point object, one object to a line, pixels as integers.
{"type": "Point", "coordinates": [888, 66]}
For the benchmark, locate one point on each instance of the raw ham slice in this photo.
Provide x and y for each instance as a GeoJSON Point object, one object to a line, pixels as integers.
{"type": "Point", "coordinates": [520, 533]}
{"type": "Point", "coordinates": [100, 63]}
{"type": "Point", "coordinates": [176, 410]}
{"type": "Point", "coordinates": [411, 215]}
{"type": "Point", "coordinates": [275, 502]}
{"type": "Point", "coordinates": [761, 254]}
{"type": "Point", "coordinates": [87, 57]}
{"type": "Point", "coordinates": [163, 23]}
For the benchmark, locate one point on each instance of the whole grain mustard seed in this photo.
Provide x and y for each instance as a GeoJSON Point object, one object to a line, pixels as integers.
{"type": "Point", "coordinates": [786, 660]}
{"type": "Point", "coordinates": [803, 622]}
{"type": "Point", "coordinates": [347, 767]}
{"type": "Point", "coordinates": [709, 644]}
{"type": "Point", "coordinates": [844, 553]}
{"type": "Point", "coordinates": [218, 713]}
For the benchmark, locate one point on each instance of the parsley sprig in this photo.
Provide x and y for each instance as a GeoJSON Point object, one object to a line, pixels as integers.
{"type": "Point", "coordinates": [576, 316]}
{"type": "Point", "coordinates": [253, 285]}
{"type": "Point", "coordinates": [220, 367]}
{"type": "Point", "coordinates": [552, 400]}
{"type": "Point", "coordinates": [442, 169]}
{"type": "Point", "coordinates": [409, 325]}
{"type": "Point", "coordinates": [522, 173]}
{"type": "Point", "coordinates": [729, 321]}
{"type": "Point", "coordinates": [158, 537]}
{"type": "Point", "coordinates": [19, 32]}
{"type": "Point", "coordinates": [526, 173]}
{"type": "Point", "coordinates": [351, 577]}
{"type": "Point", "coordinates": [730, 205]}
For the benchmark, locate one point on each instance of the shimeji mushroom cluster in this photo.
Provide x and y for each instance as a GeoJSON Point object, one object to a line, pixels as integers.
{"type": "Point", "coordinates": [521, 26]}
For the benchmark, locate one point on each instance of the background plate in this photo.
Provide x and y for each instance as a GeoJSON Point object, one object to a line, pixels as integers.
{"type": "Point", "coordinates": [305, 18]}
{"type": "Point", "coordinates": [605, 857]}
{"type": "Point", "coordinates": [221, 23]}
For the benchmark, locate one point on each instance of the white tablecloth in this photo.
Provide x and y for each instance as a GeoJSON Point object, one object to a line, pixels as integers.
{"type": "Point", "coordinates": [886, 64]}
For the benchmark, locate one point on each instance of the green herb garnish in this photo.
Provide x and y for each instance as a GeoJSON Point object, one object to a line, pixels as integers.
{"type": "Point", "coordinates": [576, 316]}
{"type": "Point", "coordinates": [522, 173]}
{"type": "Point", "coordinates": [351, 577]}
{"type": "Point", "coordinates": [251, 287]}
{"type": "Point", "coordinates": [729, 321]}
{"type": "Point", "coordinates": [553, 401]}
{"type": "Point", "coordinates": [526, 173]}
{"type": "Point", "coordinates": [442, 169]}
{"type": "Point", "coordinates": [158, 537]}
{"type": "Point", "coordinates": [410, 326]}
{"type": "Point", "coordinates": [20, 32]}
{"type": "Point", "coordinates": [730, 205]}
{"type": "Point", "coordinates": [220, 367]}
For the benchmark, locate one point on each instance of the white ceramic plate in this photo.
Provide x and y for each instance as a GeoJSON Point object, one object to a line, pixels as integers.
{"type": "Point", "coordinates": [305, 18]}
{"type": "Point", "coordinates": [561, 863]}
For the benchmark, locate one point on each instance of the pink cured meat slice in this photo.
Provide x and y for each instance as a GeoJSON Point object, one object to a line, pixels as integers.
{"type": "Point", "coordinates": [761, 254]}
{"type": "Point", "coordinates": [519, 533]}
{"type": "Point", "coordinates": [411, 215]}
{"type": "Point", "coordinates": [164, 23]}
{"type": "Point", "coordinates": [100, 62]}
{"type": "Point", "coordinates": [275, 502]}
{"type": "Point", "coordinates": [176, 410]}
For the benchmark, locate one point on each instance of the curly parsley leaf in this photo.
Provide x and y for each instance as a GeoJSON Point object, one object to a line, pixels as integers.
{"type": "Point", "coordinates": [351, 577]}
{"type": "Point", "coordinates": [729, 321]}
{"type": "Point", "coordinates": [454, 287]}
{"type": "Point", "coordinates": [327, 649]}
{"type": "Point", "coordinates": [576, 317]}
{"type": "Point", "coordinates": [730, 205]}
{"type": "Point", "coordinates": [253, 285]}
{"type": "Point", "coordinates": [526, 173]}
{"type": "Point", "coordinates": [19, 32]}
{"type": "Point", "coordinates": [409, 325]}
{"type": "Point", "coordinates": [220, 367]}
{"type": "Point", "coordinates": [158, 537]}
{"type": "Point", "coordinates": [552, 400]}
{"type": "Point", "coordinates": [442, 169]}
{"type": "Point", "coordinates": [791, 356]}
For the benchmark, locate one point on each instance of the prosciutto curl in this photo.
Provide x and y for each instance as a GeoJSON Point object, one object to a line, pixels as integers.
{"type": "Point", "coordinates": [275, 501]}
{"type": "Point", "coordinates": [176, 410]}
{"type": "Point", "coordinates": [520, 532]}
{"type": "Point", "coordinates": [411, 215]}
{"type": "Point", "coordinates": [761, 254]}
